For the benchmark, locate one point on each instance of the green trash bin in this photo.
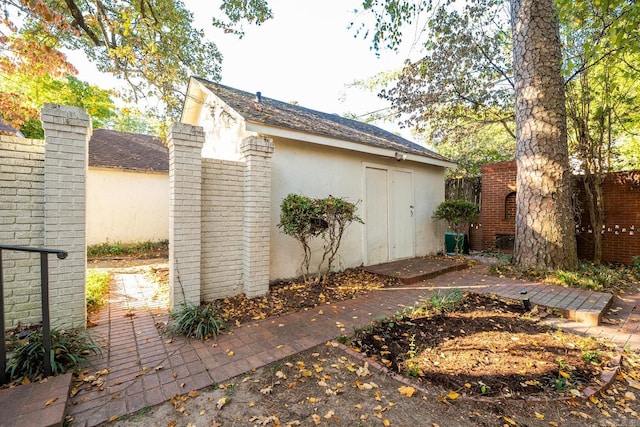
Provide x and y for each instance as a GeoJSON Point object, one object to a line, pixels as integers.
{"type": "Point", "coordinates": [450, 243]}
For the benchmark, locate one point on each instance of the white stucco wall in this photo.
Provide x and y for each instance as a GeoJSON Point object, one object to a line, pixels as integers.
{"type": "Point", "coordinates": [320, 171]}
{"type": "Point", "coordinates": [126, 206]}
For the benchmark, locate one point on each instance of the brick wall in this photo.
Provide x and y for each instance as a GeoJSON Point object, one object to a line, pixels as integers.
{"type": "Point", "coordinates": [42, 204]}
{"type": "Point", "coordinates": [185, 207]}
{"type": "Point", "coordinates": [256, 152]}
{"type": "Point", "coordinates": [621, 236]}
{"type": "Point", "coordinates": [21, 223]}
{"type": "Point", "coordinates": [222, 232]}
{"type": "Point", "coordinates": [219, 218]}
{"type": "Point", "coordinates": [498, 184]}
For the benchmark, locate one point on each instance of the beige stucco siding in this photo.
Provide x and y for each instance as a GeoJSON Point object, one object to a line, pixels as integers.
{"type": "Point", "coordinates": [319, 171]}
{"type": "Point", "coordinates": [126, 206]}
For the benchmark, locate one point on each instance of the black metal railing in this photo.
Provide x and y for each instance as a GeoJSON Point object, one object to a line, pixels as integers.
{"type": "Point", "coordinates": [46, 321]}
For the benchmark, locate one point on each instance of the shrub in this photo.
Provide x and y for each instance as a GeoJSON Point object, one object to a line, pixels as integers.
{"type": "Point", "coordinates": [69, 349]}
{"type": "Point", "coordinates": [457, 213]}
{"type": "Point", "coordinates": [97, 285]}
{"type": "Point", "coordinates": [304, 218]}
{"type": "Point", "coordinates": [197, 321]}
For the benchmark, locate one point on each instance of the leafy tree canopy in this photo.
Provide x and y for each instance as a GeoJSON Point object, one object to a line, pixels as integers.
{"type": "Point", "coordinates": [150, 44]}
{"type": "Point", "coordinates": [462, 88]}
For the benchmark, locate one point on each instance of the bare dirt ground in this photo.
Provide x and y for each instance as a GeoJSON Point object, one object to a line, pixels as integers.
{"type": "Point", "coordinates": [485, 364]}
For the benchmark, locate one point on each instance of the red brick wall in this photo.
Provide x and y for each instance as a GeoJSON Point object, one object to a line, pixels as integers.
{"type": "Point", "coordinates": [498, 182]}
{"type": "Point", "coordinates": [621, 237]}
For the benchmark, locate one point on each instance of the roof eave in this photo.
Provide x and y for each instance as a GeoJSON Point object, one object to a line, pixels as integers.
{"type": "Point", "coordinates": [265, 129]}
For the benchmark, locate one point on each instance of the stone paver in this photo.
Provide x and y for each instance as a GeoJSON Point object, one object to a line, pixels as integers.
{"type": "Point", "coordinates": [39, 404]}
{"type": "Point", "coordinates": [147, 368]}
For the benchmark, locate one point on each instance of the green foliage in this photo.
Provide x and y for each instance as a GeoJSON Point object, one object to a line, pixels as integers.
{"type": "Point", "coordinates": [68, 90]}
{"type": "Point", "coordinates": [589, 276]}
{"type": "Point", "coordinates": [69, 351]}
{"type": "Point", "coordinates": [197, 321]}
{"type": "Point", "coordinates": [118, 248]}
{"type": "Point", "coordinates": [457, 213]}
{"type": "Point", "coordinates": [304, 218]}
{"type": "Point", "coordinates": [152, 46]}
{"type": "Point", "coordinates": [438, 302]}
{"type": "Point", "coordinates": [97, 285]}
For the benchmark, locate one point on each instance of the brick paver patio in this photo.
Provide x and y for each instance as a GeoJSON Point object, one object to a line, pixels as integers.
{"type": "Point", "coordinates": [146, 368]}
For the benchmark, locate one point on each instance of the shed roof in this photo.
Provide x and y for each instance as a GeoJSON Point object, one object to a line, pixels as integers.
{"type": "Point", "coordinates": [128, 151]}
{"type": "Point", "coordinates": [281, 114]}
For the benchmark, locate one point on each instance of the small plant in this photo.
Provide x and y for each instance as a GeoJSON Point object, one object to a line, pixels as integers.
{"type": "Point", "coordinates": [197, 321]}
{"type": "Point", "coordinates": [458, 214]}
{"type": "Point", "coordinates": [445, 301]}
{"type": "Point", "coordinates": [411, 366]}
{"type": "Point", "coordinates": [97, 285]}
{"type": "Point", "coordinates": [592, 356]}
{"type": "Point", "coordinates": [69, 350]}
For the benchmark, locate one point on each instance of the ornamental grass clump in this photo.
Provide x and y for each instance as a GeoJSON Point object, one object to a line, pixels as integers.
{"type": "Point", "coordinates": [69, 351]}
{"type": "Point", "coordinates": [195, 321]}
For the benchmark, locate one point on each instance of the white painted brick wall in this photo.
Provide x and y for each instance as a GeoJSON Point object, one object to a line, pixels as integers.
{"type": "Point", "coordinates": [185, 207]}
{"type": "Point", "coordinates": [67, 132]}
{"type": "Point", "coordinates": [222, 228]}
{"type": "Point", "coordinates": [257, 153]}
{"type": "Point", "coordinates": [21, 223]}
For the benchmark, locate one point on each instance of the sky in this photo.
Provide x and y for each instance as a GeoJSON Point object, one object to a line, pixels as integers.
{"type": "Point", "coordinates": [306, 53]}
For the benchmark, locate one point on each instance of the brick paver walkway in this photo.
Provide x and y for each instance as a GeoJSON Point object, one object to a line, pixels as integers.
{"type": "Point", "coordinates": [146, 368]}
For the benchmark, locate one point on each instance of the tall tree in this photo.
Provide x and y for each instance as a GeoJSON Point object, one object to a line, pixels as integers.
{"type": "Point", "coordinates": [545, 230]}
{"type": "Point", "coordinates": [33, 75]}
{"type": "Point", "coordinates": [150, 44]}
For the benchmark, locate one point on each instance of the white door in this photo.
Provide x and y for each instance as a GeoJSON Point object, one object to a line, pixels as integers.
{"type": "Point", "coordinates": [401, 215]}
{"type": "Point", "coordinates": [376, 216]}
{"type": "Point", "coordinates": [388, 215]}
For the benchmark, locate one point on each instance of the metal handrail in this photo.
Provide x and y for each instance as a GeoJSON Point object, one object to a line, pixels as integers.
{"type": "Point", "coordinates": [46, 320]}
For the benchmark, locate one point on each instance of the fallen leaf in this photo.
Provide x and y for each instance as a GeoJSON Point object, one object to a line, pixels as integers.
{"type": "Point", "coordinates": [386, 422]}
{"type": "Point", "coordinates": [50, 401]}
{"type": "Point", "coordinates": [221, 402]}
{"type": "Point", "coordinates": [453, 395]}
{"type": "Point", "coordinates": [172, 424]}
{"type": "Point", "coordinates": [113, 418]}
{"type": "Point", "coordinates": [407, 390]}
{"type": "Point", "coordinates": [329, 414]}
{"type": "Point", "coordinates": [539, 416]}
{"type": "Point", "coordinates": [316, 419]}
{"type": "Point", "coordinates": [581, 415]}
{"type": "Point", "coordinates": [202, 412]}
{"type": "Point", "coordinates": [230, 353]}
{"type": "Point", "coordinates": [266, 390]}
{"type": "Point", "coordinates": [193, 394]}
{"type": "Point", "coordinates": [509, 420]}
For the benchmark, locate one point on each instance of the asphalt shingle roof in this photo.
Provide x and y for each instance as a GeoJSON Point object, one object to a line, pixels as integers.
{"type": "Point", "coordinates": [281, 114]}
{"type": "Point", "coordinates": [128, 151]}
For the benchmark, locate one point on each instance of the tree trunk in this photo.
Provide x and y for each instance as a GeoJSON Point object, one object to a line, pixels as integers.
{"type": "Point", "coordinates": [545, 228]}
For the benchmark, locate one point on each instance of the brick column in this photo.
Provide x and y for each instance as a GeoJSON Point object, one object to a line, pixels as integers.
{"type": "Point", "coordinates": [185, 207]}
{"type": "Point", "coordinates": [257, 153]}
{"type": "Point", "coordinates": [67, 131]}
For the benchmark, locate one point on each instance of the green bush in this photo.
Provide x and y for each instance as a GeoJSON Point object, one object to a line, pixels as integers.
{"type": "Point", "coordinates": [457, 213]}
{"type": "Point", "coordinates": [69, 351]}
{"type": "Point", "coordinates": [304, 218]}
{"type": "Point", "coordinates": [197, 321]}
{"type": "Point", "coordinates": [97, 285]}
